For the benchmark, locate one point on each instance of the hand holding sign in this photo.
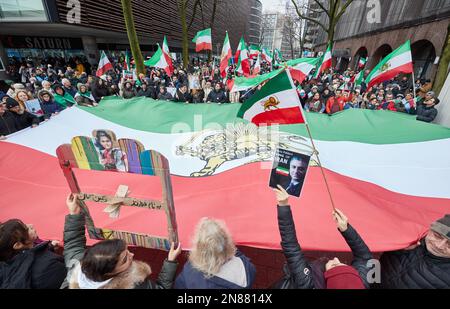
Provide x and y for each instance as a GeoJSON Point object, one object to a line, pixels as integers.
{"type": "Point", "coordinates": [282, 196]}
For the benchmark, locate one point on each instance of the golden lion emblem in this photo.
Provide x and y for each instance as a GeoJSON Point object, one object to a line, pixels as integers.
{"type": "Point", "coordinates": [237, 142]}
{"type": "Point", "coordinates": [271, 103]}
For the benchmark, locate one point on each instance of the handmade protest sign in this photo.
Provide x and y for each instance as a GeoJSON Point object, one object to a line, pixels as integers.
{"type": "Point", "coordinates": [103, 152]}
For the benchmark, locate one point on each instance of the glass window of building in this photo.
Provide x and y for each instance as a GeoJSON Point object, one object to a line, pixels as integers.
{"type": "Point", "coordinates": [22, 10]}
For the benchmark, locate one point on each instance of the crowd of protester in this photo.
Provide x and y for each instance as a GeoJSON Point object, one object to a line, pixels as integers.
{"type": "Point", "coordinates": [214, 261]}
{"type": "Point", "coordinates": [58, 84]}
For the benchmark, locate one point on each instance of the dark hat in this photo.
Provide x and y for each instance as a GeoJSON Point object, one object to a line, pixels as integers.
{"type": "Point", "coordinates": [343, 277]}
{"type": "Point", "coordinates": [442, 226]}
{"type": "Point", "coordinates": [10, 103]}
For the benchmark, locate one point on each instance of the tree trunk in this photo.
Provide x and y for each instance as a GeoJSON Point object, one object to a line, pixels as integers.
{"type": "Point", "coordinates": [132, 36]}
{"type": "Point", "coordinates": [184, 31]}
{"type": "Point", "coordinates": [442, 72]}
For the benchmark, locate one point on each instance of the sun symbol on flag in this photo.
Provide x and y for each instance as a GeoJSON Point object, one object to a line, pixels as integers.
{"type": "Point", "coordinates": [272, 102]}
{"type": "Point", "coordinates": [385, 67]}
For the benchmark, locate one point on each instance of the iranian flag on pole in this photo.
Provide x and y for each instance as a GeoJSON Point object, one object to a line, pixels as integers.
{"type": "Point", "coordinates": [362, 62]}
{"type": "Point", "coordinates": [158, 60]}
{"type": "Point", "coordinates": [325, 63]}
{"type": "Point", "coordinates": [276, 103]}
{"type": "Point", "coordinates": [225, 57]}
{"type": "Point", "coordinates": [238, 50]}
{"type": "Point", "coordinates": [104, 65]}
{"type": "Point", "coordinates": [254, 51]}
{"type": "Point", "coordinates": [397, 62]}
{"type": "Point", "coordinates": [203, 40]}
{"type": "Point", "coordinates": [257, 67]}
{"type": "Point", "coordinates": [243, 66]}
{"type": "Point", "coordinates": [358, 78]}
{"type": "Point", "coordinates": [127, 64]}
{"type": "Point", "coordinates": [267, 55]}
{"type": "Point", "coordinates": [166, 53]}
{"type": "Point", "coordinates": [301, 68]}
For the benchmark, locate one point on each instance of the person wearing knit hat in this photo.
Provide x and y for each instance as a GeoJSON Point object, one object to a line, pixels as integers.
{"type": "Point", "coordinates": [23, 118]}
{"type": "Point", "coordinates": [423, 265]}
{"type": "Point", "coordinates": [8, 123]}
{"type": "Point", "coordinates": [337, 275]}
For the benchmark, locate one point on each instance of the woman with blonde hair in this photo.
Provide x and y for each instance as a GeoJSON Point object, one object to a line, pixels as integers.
{"type": "Point", "coordinates": [214, 261]}
{"type": "Point", "coordinates": [21, 97]}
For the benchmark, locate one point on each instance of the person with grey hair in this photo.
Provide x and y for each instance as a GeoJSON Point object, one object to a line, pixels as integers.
{"type": "Point", "coordinates": [214, 261]}
{"type": "Point", "coordinates": [67, 85]}
{"type": "Point", "coordinates": [424, 265]}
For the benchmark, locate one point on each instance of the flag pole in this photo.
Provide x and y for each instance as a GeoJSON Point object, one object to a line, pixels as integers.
{"type": "Point", "coordinates": [315, 151]}
{"type": "Point", "coordinates": [414, 84]}
{"type": "Point", "coordinates": [321, 167]}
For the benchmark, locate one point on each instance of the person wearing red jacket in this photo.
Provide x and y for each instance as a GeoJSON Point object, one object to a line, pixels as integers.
{"type": "Point", "coordinates": [335, 104]}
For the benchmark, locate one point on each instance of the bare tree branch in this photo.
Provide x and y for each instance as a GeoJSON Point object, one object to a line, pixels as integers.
{"type": "Point", "coordinates": [343, 9]}
{"type": "Point", "coordinates": [322, 7]}
{"type": "Point", "coordinates": [308, 18]}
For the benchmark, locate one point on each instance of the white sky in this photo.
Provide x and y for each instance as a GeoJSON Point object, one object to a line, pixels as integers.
{"type": "Point", "coordinates": [273, 5]}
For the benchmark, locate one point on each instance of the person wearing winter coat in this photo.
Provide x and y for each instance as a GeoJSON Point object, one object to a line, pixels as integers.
{"type": "Point", "coordinates": [214, 262]}
{"type": "Point", "coordinates": [24, 265]}
{"type": "Point", "coordinates": [146, 91]}
{"type": "Point", "coordinates": [99, 89]}
{"type": "Point", "coordinates": [108, 264]}
{"type": "Point", "coordinates": [68, 87]}
{"type": "Point", "coordinates": [426, 111]}
{"type": "Point", "coordinates": [128, 91]}
{"type": "Point", "coordinates": [48, 103]}
{"type": "Point", "coordinates": [334, 274]}
{"type": "Point", "coordinates": [164, 95]}
{"type": "Point", "coordinates": [62, 97]}
{"type": "Point", "coordinates": [183, 95]}
{"type": "Point", "coordinates": [207, 89]}
{"type": "Point", "coordinates": [217, 96]}
{"type": "Point", "coordinates": [83, 97]}
{"type": "Point", "coordinates": [423, 265]}
{"type": "Point", "coordinates": [8, 124]}
{"type": "Point", "coordinates": [23, 118]}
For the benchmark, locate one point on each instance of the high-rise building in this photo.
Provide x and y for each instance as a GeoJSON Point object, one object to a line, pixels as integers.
{"type": "Point", "coordinates": [255, 22]}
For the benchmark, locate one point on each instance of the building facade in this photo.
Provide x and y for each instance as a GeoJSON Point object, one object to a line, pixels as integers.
{"type": "Point", "coordinates": [42, 28]}
{"type": "Point", "coordinates": [374, 32]}
{"type": "Point", "coordinates": [255, 22]}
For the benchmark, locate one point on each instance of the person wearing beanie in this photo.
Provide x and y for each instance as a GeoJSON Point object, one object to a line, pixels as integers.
{"type": "Point", "coordinates": [8, 123]}
{"type": "Point", "coordinates": [23, 118]}
{"type": "Point", "coordinates": [423, 265]}
{"type": "Point", "coordinates": [300, 274]}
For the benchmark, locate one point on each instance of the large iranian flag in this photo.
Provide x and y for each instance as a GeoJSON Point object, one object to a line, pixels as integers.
{"type": "Point", "coordinates": [254, 51]}
{"type": "Point", "coordinates": [276, 103]}
{"type": "Point", "coordinates": [203, 40]}
{"type": "Point", "coordinates": [243, 65]}
{"type": "Point", "coordinates": [104, 65]}
{"type": "Point", "coordinates": [301, 68]}
{"type": "Point", "coordinates": [397, 62]}
{"type": "Point", "coordinates": [227, 54]}
{"type": "Point", "coordinates": [158, 60]}
{"type": "Point", "coordinates": [325, 63]}
{"type": "Point", "coordinates": [389, 195]}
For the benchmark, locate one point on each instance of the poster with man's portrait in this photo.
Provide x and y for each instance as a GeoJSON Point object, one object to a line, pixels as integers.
{"type": "Point", "coordinates": [194, 82]}
{"type": "Point", "coordinates": [289, 171]}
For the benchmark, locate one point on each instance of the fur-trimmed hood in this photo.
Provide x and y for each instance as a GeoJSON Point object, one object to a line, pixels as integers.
{"type": "Point", "coordinates": [135, 275]}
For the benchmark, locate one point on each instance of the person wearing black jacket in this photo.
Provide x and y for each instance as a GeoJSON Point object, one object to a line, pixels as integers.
{"type": "Point", "coordinates": [303, 275]}
{"type": "Point", "coordinates": [424, 265]}
{"type": "Point", "coordinates": [183, 95]}
{"type": "Point", "coordinates": [146, 91]}
{"type": "Point", "coordinates": [217, 95]}
{"type": "Point", "coordinates": [99, 90]}
{"type": "Point", "coordinates": [24, 265]}
{"type": "Point", "coordinates": [426, 111]}
{"type": "Point", "coordinates": [23, 118]}
{"type": "Point", "coordinates": [8, 124]}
